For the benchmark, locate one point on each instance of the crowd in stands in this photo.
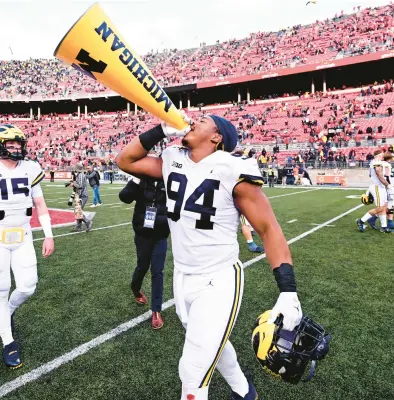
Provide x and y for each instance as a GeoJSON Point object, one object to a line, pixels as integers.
{"type": "Point", "coordinates": [364, 31]}
{"type": "Point", "coordinates": [323, 129]}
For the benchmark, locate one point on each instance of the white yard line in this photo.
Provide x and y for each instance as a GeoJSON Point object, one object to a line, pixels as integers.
{"type": "Point", "coordinates": [78, 233]}
{"type": "Point", "coordinates": [299, 237]}
{"type": "Point", "coordinates": [326, 225]}
{"type": "Point", "coordinates": [293, 193]}
{"type": "Point", "coordinates": [321, 187]}
{"type": "Point", "coordinates": [99, 340]}
{"type": "Point", "coordinates": [112, 204]}
{"type": "Point", "coordinates": [292, 221]}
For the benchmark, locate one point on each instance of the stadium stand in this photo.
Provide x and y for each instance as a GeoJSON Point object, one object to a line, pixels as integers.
{"type": "Point", "coordinates": [330, 129]}
{"type": "Point", "coordinates": [317, 128]}
{"type": "Point", "coordinates": [363, 32]}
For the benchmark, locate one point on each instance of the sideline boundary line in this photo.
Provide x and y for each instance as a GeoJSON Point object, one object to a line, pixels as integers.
{"type": "Point", "coordinates": [50, 366]}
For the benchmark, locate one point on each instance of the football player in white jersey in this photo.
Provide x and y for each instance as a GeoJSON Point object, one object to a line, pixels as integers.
{"type": "Point", "coordinates": [19, 190]}
{"type": "Point", "coordinates": [387, 172]}
{"type": "Point", "coordinates": [378, 189]}
{"type": "Point", "coordinates": [207, 190]}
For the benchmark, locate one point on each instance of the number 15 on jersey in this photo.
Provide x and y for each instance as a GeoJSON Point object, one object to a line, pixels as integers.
{"type": "Point", "coordinates": [15, 186]}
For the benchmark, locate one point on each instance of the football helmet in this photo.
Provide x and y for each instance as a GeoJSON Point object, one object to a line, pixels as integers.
{"type": "Point", "coordinates": [367, 199]}
{"type": "Point", "coordinates": [12, 133]}
{"type": "Point", "coordinates": [286, 354]}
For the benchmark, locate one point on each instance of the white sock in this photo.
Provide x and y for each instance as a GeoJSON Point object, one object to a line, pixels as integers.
{"type": "Point", "coordinates": [249, 241]}
{"type": "Point", "coordinates": [5, 319]}
{"type": "Point", "coordinates": [366, 217]}
{"type": "Point", "coordinates": [383, 220]}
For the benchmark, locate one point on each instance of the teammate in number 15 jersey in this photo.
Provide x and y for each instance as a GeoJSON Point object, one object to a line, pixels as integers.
{"type": "Point", "coordinates": [207, 189]}
{"type": "Point", "coordinates": [19, 190]}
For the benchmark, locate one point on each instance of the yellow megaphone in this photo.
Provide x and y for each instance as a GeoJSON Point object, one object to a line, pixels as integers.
{"type": "Point", "coordinates": [94, 47]}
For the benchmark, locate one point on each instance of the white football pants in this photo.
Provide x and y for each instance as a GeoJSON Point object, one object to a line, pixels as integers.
{"type": "Point", "coordinates": [208, 306]}
{"type": "Point", "coordinates": [22, 260]}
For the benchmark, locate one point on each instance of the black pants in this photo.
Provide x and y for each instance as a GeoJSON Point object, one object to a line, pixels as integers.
{"type": "Point", "coordinates": [271, 181]}
{"type": "Point", "coordinates": [151, 252]}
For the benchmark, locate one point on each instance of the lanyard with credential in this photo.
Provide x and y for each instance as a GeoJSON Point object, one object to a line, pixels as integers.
{"type": "Point", "coordinates": [151, 212]}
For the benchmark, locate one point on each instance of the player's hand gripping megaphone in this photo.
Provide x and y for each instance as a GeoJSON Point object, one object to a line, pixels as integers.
{"type": "Point", "coordinates": [96, 48]}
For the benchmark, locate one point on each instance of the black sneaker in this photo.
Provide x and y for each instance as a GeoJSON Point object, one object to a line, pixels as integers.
{"type": "Point", "coordinates": [12, 356]}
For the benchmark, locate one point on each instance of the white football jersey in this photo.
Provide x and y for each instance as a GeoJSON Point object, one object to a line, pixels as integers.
{"type": "Point", "coordinates": [372, 172]}
{"type": "Point", "coordinates": [16, 191]}
{"type": "Point", "coordinates": [202, 216]}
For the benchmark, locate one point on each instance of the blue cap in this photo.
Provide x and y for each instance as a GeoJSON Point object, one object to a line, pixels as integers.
{"type": "Point", "coordinates": [228, 131]}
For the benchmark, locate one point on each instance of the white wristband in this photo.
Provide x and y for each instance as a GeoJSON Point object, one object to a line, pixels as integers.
{"type": "Point", "coordinates": [45, 222]}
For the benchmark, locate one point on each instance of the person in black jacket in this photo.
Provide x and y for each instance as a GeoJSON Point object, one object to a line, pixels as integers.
{"type": "Point", "coordinates": [151, 233]}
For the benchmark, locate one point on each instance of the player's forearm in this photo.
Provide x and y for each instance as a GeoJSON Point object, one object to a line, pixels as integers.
{"type": "Point", "coordinates": [43, 216]}
{"type": "Point", "coordinates": [139, 147]}
{"type": "Point", "coordinates": [279, 256]}
{"type": "Point", "coordinates": [134, 158]}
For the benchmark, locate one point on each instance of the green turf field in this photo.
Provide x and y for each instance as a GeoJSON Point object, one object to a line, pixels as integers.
{"type": "Point", "coordinates": [345, 282]}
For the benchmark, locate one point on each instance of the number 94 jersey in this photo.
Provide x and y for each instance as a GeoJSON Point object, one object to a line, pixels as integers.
{"type": "Point", "coordinates": [201, 213]}
{"type": "Point", "coordinates": [16, 185]}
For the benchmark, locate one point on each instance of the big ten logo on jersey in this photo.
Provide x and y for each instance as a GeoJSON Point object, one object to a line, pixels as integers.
{"type": "Point", "coordinates": [176, 189]}
{"type": "Point", "coordinates": [176, 164]}
{"type": "Point", "coordinates": [16, 186]}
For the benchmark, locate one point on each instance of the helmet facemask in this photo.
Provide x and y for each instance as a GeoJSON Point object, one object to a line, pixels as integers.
{"type": "Point", "coordinates": [13, 154]}
{"type": "Point", "coordinates": [288, 354]}
{"type": "Point", "coordinates": [11, 133]}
